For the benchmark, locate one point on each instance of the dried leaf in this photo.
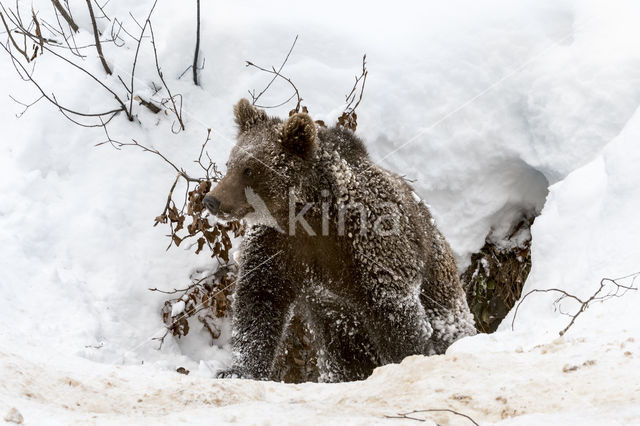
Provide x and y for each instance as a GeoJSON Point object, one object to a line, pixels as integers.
{"type": "Point", "coordinates": [201, 242]}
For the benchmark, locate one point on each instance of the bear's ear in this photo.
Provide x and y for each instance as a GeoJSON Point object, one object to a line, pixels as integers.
{"type": "Point", "coordinates": [247, 115]}
{"type": "Point", "coordinates": [299, 134]}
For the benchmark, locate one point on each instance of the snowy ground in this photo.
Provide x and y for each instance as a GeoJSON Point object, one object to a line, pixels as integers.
{"type": "Point", "coordinates": [493, 108]}
{"type": "Point", "coordinates": [562, 382]}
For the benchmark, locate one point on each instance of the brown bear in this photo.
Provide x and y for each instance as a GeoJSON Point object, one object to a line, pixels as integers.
{"type": "Point", "coordinates": [339, 237]}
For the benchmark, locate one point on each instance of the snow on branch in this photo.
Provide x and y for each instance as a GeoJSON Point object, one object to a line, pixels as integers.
{"type": "Point", "coordinates": [206, 298]}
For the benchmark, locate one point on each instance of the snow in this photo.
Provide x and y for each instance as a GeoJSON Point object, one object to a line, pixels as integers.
{"type": "Point", "coordinates": [177, 308]}
{"type": "Point", "coordinates": [590, 223]}
{"type": "Point", "coordinates": [494, 107]}
{"type": "Point", "coordinates": [582, 381]}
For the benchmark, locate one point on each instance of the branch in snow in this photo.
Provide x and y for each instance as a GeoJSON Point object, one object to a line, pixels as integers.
{"type": "Point", "coordinates": [147, 22]}
{"type": "Point", "coordinates": [195, 55]}
{"type": "Point", "coordinates": [176, 111]}
{"type": "Point", "coordinates": [207, 296]}
{"type": "Point", "coordinates": [408, 416]}
{"type": "Point", "coordinates": [618, 290]}
{"type": "Point", "coordinates": [41, 44]}
{"type": "Point", "coordinates": [96, 36]}
{"type": "Point", "coordinates": [194, 67]}
{"type": "Point", "coordinates": [65, 15]}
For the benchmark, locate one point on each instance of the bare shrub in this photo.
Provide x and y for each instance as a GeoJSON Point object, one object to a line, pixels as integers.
{"type": "Point", "coordinates": [608, 289]}
{"type": "Point", "coordinates": [206, 298]}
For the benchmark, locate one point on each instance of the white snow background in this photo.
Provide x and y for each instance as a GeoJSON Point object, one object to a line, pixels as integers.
{"type": "Point", "coordinates": [493, 107]}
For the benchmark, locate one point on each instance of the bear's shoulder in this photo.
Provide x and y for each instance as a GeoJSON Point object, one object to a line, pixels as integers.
{"type": "Point", "coordinates": [344, 141]}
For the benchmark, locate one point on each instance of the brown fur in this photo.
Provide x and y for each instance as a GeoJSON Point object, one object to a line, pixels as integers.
{"type": "Point", "coordinates": [371, 296]}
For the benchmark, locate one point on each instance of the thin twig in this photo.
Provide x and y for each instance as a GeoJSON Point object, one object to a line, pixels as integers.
{"type": "Point", "coordinates": [180, 171]}
{"type": "Point", "coordinates": [176, 111]}
{"type": "Point", "coordinates": [276, 74]}
{"type": "Point", "coordinates": [104, 15]}
{"type": "Point", "coordinates": [51, 99]}
{"type": "Point", "coordinates": [619, 290]}
{"type": "Point", "coordinates": [286, 58]}
{"type": "Point", "coordinates": [431, 410]}
{"type": "Point", "coordinates": [13, 41]}
{"type": "Point", "coordinates": [26, 106]}
{"type": "Point", "coordinates": [135, 58]}
{"type": "Point", "coordinates": [211, 167]}
{"type": "Point", "coordinates": [124, 108]}
{"type": "Point", "coordinates": [349, 118]}
{"type": "Point", "coordinates": [73, 49]}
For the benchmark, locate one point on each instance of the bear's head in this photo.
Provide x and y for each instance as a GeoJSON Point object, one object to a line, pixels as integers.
{"type": "Point", "coordinates": [269, 158]}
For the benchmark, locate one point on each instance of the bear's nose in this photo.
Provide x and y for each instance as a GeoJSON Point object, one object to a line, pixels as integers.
{"type": "Point", "coordinates": [211, 203]}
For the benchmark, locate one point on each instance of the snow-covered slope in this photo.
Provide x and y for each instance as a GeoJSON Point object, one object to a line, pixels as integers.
{"type": "Point", "coordinates": [561, 382]}
{"type": "Point", "coordinates": [485, 104]}
{"type": "Point", "coordinates": [588, 230]}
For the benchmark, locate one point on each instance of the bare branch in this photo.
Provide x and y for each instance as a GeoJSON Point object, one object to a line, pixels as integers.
{"type": "Point", "coordinates": [177, 112]}
{"type": "Point", "coordinates": [209, 293]}
{"type": "Point", "coordinates": [174, 291]}
{"type": "Point", "coordinates": [276, 74]}
{"type": "Point", "coordinates": [52, 99]}
{"type": "Point", "coordinates": [150, 105]}
{"type": "Point", "coordinates": [104, 15]}
{"type": "Point", "coordinates": [349, 118]}
{"type": "Point", "coordinates": [26, 106]}
{"type": "Point", "coordinates": [190, 67]}
{"type": "Point", "coordinates": [135, 58]}
{"type": "Point", "coordinates": [96, 35]}
{"type": "Point", "coordinates": [16, 20]}
{"type": "Point", "coordinates": [211, 167]}
{"type": "Point", "coordinates": [65, 15]}
{"type": "Point", "coordinates": [407, 416]}
{"type": "Point", "coordinates": [618, 290]}
{"type": "Point", "coordinates": [23, 52]}
{"type": "Point", "coordinates": [124, 108]}
{"type": "Point", "coordinates": [195, 55]}
{"type": "Point", "coordinates": [73, 49]}
{"type": "Point", "coordinates": [180, 171]}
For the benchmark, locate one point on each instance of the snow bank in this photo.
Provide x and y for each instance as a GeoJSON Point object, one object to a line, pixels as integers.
{"type": "Point", "coordinates": [485, 104]}
{"type": "Point", "coordinates": [588, 231]}
{"type": "Point", "coordinates": [565, 381]}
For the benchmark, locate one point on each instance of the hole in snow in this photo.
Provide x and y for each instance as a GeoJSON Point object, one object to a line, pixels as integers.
{"type": "Point", "coordinates": [497, 272]}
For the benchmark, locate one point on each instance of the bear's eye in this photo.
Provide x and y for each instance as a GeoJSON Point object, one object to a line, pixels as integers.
{"type": "Point", "coordinates": [247, 172]}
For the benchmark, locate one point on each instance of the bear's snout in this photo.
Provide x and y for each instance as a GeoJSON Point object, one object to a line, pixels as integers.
{"type": "Point", "coordinates": [212, 204]}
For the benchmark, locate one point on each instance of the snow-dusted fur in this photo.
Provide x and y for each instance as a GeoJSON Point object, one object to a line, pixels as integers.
{"type": "Point", "coordinates": [374, 293]}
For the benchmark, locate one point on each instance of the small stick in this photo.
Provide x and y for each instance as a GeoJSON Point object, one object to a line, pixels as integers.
{"type": "Point", "coordinates": [430, 410]}
{"type": "Point", "coordinates": [96, 36]}
{"type": "Point", "coordinates": [65, 15]}
{"type": "Point", "coordinates": [195, 55]}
